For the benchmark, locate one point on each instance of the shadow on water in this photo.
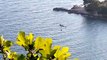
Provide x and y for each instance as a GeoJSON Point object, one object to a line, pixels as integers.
{"type": "Point", "coordinates": [91, 19]}
{"type": "Point", "coordinates": [95, 35]}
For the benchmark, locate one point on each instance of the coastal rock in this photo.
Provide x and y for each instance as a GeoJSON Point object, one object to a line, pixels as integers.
{"type": "Point", "coordinates": [78, 10]}
{"type": "Point", "coordinates": [75, 9]}
{"type": "Point", "coordinates": [60, 9]}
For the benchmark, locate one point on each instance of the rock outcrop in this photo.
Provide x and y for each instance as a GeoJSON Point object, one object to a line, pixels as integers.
{"type": "Point", "coordinates": [78, 10]}
{"type": "Point", "coordinates": [61, 9]}
{"type": "Point", "coordinates": [75, 9]}
{"type": "Point", "coordinates": [93, 8]}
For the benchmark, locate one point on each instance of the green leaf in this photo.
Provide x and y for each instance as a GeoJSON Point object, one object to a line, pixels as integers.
{"type": "Point", "coordinates": [21, 57]}
{"type": "Point", "coordinates": [21, 35]}
{"type": "Point", "coordinates": [52, 54]}
{"type": "Point", "coordinates": [8, 43]}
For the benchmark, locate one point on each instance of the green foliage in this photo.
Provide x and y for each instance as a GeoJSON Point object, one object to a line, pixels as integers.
{"type": "Point", "coordinates": [89, 1]}
{"type": "Point", "coordinates": [37, 49]}
{"type": "Point", "coordinates": [94, 6]}
{"type": "Point", "coordinates": [103, 8]}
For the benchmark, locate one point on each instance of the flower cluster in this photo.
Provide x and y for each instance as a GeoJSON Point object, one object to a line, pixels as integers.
{"type": "Point", "coordinates": [37, 49]}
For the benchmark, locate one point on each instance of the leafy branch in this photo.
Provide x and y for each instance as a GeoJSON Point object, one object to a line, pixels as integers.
{"type": "Point", "coordinates": [37, 49]}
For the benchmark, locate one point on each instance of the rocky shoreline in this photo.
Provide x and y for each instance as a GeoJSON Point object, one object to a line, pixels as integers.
{"type": "Point", "coordinates": [78, 10]}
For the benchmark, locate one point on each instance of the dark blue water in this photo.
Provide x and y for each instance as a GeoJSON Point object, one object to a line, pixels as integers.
{"type": "Point", "coordinates": [86, 37]}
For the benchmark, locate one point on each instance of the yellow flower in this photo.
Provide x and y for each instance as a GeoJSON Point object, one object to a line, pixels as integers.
{"type": "Point", "coordinates": [39, 43]}
{"type": "Point", "coordinates": [25, 40]}
{"type": "Point", "coordinates": [57, 47]}
{"type": "Point", "coordinates": [40, 49]}
{"type": "Point", "coordinates": [21, 39]}
{"type": "Point", "coordinates": [12, 55]}
{"type": "Point", "coordinates": [47, 46]}
{"type": "Point", "coordinates": [4, 44]}
{"type": "Point", "coordinates": [62, 54]}
{"type": "Point", "coordinates": [30, 38]}
{"type": "Point", "coordinates": [43, 45]}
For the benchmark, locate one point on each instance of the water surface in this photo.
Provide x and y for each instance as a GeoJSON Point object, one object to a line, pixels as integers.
{"type": "Point", "coordinates": [86, 37]}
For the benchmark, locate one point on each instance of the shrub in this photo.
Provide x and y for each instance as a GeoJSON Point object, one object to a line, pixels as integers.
{"type": "Point", "coordinates": [93, 6]}
{"type": "Point", "coordinates": [37, 49]}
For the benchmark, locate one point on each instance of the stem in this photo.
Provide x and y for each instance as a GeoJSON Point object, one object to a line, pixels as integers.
{"type": "Point", "coordinates": [4, 58]}
{"type": "Point", "coordinates": [3, 53]}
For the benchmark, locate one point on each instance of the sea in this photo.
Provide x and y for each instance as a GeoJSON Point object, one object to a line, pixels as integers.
{"type": "Point", "coordinates": [85, 36]}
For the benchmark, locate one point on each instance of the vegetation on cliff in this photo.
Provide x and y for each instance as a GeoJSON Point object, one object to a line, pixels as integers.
{"type": "Point", "coordinates": [96, 7]}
